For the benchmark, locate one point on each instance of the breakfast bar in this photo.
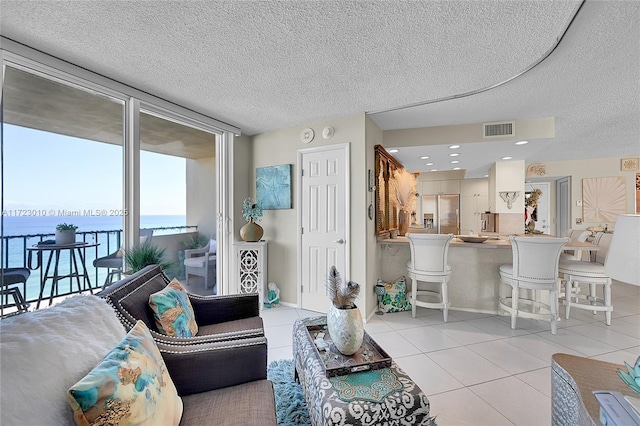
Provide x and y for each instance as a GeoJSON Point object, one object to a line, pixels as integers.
{"type": "Point", "coordinates": [475, 280]}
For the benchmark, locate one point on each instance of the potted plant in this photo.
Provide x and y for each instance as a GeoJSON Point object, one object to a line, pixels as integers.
{"type": "Point", "coordinates": [143, 255]}
{"type": "Point", "coordinates": [66, 233]}
{"type": "Point", "coordinates": [252, 212]}
{"type": "Point", "coordinates": [344, 320]}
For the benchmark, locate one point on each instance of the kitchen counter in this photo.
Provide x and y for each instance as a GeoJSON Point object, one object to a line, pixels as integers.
{"type": "Point", "coordinates": [475, 279]}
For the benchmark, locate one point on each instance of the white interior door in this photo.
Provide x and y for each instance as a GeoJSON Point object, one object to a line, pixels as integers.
{"type": "Point", "coordinates": [324, 214]}
{"type": "Point", "coordinates": [563, 206]}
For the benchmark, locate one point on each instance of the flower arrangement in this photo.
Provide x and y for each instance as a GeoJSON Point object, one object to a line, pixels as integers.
{"type": "Point", "coordinates": [251, 210]}
{"type": "Point", "coordinates": [403, 189]}
{"type": "Point", "coordinates": [532, 200]}
{"type": "Point", "coordinates": [342, 294]}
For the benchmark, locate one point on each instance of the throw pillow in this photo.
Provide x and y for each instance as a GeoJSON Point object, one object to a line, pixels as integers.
{"type": "Point", "coordinates": [213, 246]}
{"type": "Point", "coordinates": [395, 296]}
{"type": "Point", "coordinates": [173, 312]}
{"type": "Point", "coordinates": [130, 386]}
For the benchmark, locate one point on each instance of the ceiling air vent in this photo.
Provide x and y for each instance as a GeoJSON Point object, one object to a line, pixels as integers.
{"type": "Point", "coordinates": [495, 130]}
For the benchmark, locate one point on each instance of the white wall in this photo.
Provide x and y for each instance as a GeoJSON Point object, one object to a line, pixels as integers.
{"type": "Point", "coordinates": [581, 169]}
{"type": "Point", "coordinates": [281, 226]}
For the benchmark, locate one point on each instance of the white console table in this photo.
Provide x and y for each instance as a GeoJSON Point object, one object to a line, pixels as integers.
{"type": "Point", "coordinates": [251, 268]}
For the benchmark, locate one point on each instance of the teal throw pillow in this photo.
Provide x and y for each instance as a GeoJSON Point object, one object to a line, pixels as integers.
{"type": "Point", "coordinates": [173, 312]}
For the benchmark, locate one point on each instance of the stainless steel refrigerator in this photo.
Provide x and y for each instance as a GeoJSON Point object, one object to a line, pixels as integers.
{"type": "Point", "coordinates": [441, 213]}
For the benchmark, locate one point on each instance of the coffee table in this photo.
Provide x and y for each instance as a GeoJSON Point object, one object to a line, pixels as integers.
{"type": "Point", "coordinates": [408, 406]}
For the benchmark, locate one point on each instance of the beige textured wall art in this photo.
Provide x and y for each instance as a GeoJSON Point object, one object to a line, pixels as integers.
{"type": "Point", "coordinates": [603, 199]}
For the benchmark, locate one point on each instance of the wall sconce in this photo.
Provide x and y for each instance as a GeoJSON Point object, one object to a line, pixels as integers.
{"type": "Point", "coordinates": [509, 197]}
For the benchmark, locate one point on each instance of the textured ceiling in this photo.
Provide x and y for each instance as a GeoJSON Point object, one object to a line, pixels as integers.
{"type": "Point", "coordinates": [267, 65]}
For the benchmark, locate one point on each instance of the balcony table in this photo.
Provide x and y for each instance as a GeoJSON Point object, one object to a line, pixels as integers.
{"type": "Point", "coordinates": [54, 251]}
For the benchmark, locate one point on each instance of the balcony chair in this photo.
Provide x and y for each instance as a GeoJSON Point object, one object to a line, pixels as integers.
{"type": "Point", "coordinates": [201, 261]}
{"type": "Point", "coordinates": [429, 264]}
{"type": "Point", "coordinates": [534, 267]}
{"type": "Point", "coordinates": [11, 277]}
{"type": "Point", "coordinates": [113, 262]}
{"type": "Point", "coordinates": [592, 273]}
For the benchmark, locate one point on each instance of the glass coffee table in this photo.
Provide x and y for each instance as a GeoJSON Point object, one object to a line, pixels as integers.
{"type": "Point", "coordinates": [392, 398]}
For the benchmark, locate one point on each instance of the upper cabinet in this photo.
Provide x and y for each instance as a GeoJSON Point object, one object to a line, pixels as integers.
{"type": "Point", "coordinates": [433, 187]}
{"type": "Point", "coordinates": [474, 188]}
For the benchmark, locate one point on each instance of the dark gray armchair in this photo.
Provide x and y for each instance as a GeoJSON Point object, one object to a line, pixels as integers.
{"type": "Point", "coordinates": [230, 337]}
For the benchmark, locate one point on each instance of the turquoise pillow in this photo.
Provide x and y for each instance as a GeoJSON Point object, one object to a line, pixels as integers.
{"type": "Point", "coordinates": [131, 385]}
{"type": "Point", "coordinates": [395, 296]}
{"type": "Point", "coordinates": [173, 312]}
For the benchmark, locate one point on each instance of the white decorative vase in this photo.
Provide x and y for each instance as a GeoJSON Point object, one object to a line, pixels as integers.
{"type": "Point", "coordinates": [346, 328]}
{"type": "Point", "coordinates": [68, 236]}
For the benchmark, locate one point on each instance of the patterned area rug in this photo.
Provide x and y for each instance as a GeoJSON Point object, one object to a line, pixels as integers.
{"type": "Point", "coordinates": [291, 407]}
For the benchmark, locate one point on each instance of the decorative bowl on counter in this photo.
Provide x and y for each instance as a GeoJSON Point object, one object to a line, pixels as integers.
{"type": "Point", "coordinates": [472, 238]}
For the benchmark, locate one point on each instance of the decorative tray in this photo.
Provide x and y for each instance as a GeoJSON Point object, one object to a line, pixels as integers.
{"type": "Point", "coordinates": [370, 356]}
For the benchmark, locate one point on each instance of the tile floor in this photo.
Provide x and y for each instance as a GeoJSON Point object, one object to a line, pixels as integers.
{"type": "Point", "coordinates": [475, 369]}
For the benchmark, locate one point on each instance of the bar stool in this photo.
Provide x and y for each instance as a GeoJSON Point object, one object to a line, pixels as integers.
{"type": "Point", "coordinates": [575, 235]}
{"type": "Point", "coordinates": [429, 263]}
{"type": "Point", "coordinates": [592, 273]}
{"type": "Point", "coordinates": [534, 267]}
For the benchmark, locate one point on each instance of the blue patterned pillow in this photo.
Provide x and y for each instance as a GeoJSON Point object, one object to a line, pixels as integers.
{"type": "Point", "coordinates": [173, 312]}
{"type": "Point", "coordinates": [395, 296]}
{"type": "Point", "coordinates": [130, 386]}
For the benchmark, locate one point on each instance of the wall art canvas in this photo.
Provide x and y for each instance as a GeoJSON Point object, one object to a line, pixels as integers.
{"type": "Point", "coordinates": [603, 199]}
{"type": "Point", "coordinates": [273, 187]}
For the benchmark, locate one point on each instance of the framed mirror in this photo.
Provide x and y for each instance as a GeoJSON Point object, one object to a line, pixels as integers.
{"type": "Point", "coordinates": [386, 213]}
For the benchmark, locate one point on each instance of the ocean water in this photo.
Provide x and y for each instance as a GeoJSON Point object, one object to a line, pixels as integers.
{"type": "Point", "coordinates": [40, 228]}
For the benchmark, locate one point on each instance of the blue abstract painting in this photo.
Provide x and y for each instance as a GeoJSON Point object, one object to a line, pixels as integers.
{"type": "Point", "coordinates": [273, 187]}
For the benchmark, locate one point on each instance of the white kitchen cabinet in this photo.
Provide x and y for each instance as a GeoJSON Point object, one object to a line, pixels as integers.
{"type": "Point", "coordinates": [430, 187]}
{"type": "Point", "coordinates": [434, 187]}
{"type": "Point", "coordinates": [251, 268]}
{"type": "Point", "coordinates": [450, 186]}
{"type": "Point", "coordinates": [474, 200]}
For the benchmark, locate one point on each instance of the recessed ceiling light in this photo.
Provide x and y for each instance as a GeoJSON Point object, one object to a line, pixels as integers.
{"type": "Point", "coordinates": [456, 168]}
{"type": "Point", "coordinates": [393, 151]}
{"type": "Point", "coordinates": [424, 158]}
{"type": "Point", "coordinates": [434, 170]}
{"type": "Point", "coordinates": [428, 164]}
{"type": "Point", "coordinates": [486, 175]}
{"type": "Point", "coordinates": [454, 146]}
{"type": "Point", "coordinates": [522, 142]}
{"type": "Point", "coordinates": [455, 154]}
{"type": "Point", "coordinates": [455, 162]}
{"type": "Point", "coordinates": [507, 158]}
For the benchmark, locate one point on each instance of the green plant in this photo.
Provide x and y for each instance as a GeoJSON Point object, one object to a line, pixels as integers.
{"type": "Point", "coordinates": [144, 255]}
{"type": "Point", "coordinates": [251, 210]}
{"type": "Point", "coordinates": [66, 227]}
{"type": "Point", "coordinates": [195, 242]}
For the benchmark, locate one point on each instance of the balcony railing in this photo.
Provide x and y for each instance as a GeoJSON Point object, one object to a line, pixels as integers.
{"type": "Point", "coordinates": [15, 255]}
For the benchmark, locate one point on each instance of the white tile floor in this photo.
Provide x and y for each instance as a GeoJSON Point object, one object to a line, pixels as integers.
{"type": "Point", "coordinates": [475, 369]}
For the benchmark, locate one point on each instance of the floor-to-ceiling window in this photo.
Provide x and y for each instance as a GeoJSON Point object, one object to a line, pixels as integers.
{"type": "Point", "coordinates": [67, 158]}
{"type": "Point", "coordinates": [62, 150]}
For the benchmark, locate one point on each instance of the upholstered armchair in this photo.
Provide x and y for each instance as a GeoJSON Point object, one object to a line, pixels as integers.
{"type": "Point", "coordinates": [230, 333]}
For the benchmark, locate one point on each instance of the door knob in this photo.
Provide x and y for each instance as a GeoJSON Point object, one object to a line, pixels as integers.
{"type": "Point", "coordinates": [340, 241]}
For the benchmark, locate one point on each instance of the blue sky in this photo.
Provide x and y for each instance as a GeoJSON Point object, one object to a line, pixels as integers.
{"type": "Point", "coordinates": [50, 171]}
